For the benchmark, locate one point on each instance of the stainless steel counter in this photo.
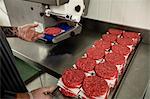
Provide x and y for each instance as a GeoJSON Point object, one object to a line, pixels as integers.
{"type": "Point", "coordinates": [137, 76]}
{"type": "Point", "coordinates": [54, 58]}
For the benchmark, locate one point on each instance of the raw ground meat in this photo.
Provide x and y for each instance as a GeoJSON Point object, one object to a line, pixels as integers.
{"type": "Point", "coordinates": [53, 31]}
{"type": "Point", "coordinates": [132, 35]}
{"type": "Point", "coordinates": [86, 64]}
{"type": "Point", "coordinates": [115, 31]}
{"type": "Point", "coordinates": [101, 44]}
{"type": "Point", "coordinates": [73, 77]}
{"type": "Point", "coordinates": [109, 37]}
{"type": "Point", "coordinates": [95, 53]}
{"type": "Point", "coordinates": [95, 86]}
{"type": "Point", "coordinates": [115, 58]}
{"type": "Point", "coordinates": [120, 49]}
{"type": "Point", "coordinates": [125, 41]}
{"type": "Point", "coordinates": [106, 70]}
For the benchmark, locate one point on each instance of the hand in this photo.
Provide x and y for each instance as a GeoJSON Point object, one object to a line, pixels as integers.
{"type": "Point", "coordinates": [28, 33]}
{"type": "Point", "coordinates": [42, 93]}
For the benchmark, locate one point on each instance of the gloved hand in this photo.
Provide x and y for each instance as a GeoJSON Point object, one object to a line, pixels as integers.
{"type": "Point", "coordinates": [40, 93]}
{"type": "Point", "coordinates": [27, 32]}
{"type": "Point", "coordinates": [43, 93]}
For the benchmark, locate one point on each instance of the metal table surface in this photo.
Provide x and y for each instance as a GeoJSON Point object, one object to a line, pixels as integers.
{"type": "Point", "coordinates": [55, 58]}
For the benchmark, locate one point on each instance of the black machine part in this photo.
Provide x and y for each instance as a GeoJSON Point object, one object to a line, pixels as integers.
{"type": "Point", "coordinates": [51, 2]}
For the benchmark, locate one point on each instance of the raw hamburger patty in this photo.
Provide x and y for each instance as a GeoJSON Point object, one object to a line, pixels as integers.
{"type": "Point", "coordinates": [101, 44]}
{"type": "Point", "coordinates": [53, 31]}
{"type": "Point", "coordinates": [95, 53]}
{"type": "Point", "coordinates": [125, 41]}
{"type": "Point", "coordinates": [86, 64]}
{"type": "Point", "coordinates": [95, 86]}
{"type": "Point", "coordinates": [67, 93]}
{"type": "Point", "coordinates": [106, 70]}
{"type": "Point", "coordinates": [120, 49]}
{"type": "Point", "coordinates": [115, 31]}
{"type": "Point", "coordinates": [132, 35]}
{"type": "Point", "coordinates": [115, 58]}
{"type": "Point", "coordinates": [109, 37]}
{"type": "Point", "coordinates": [73, 77]}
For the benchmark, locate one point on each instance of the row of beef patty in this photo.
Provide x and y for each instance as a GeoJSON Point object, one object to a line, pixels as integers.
{"type": "Point", "coordinates": [98, 70]}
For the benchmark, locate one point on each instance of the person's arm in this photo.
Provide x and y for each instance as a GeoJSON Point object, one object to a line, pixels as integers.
{"type": "Point", "coordinates": [26, 32]}
{"type": "Point", "coordinates": [22, 96]}
{"type": "Point", "coordinates": [10, 31]}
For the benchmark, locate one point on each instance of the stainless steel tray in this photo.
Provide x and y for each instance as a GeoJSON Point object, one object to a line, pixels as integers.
{"type": "Point", "coordinates": [113, 91]}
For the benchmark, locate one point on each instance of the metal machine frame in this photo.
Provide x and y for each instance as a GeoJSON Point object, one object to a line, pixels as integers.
{"type": "Point", "coordinates": [23, 12]}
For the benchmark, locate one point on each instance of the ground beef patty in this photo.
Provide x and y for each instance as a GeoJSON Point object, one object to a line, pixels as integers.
{"type": "Point", "coordinates": [132, 35]}
{"type": "Point", "coordinates": [109, 37]}
{"type": "Point", "coordinates": [115, 31]}
{"type": "Point", "coordinates": [95, 53]}
{"type": "Point", "coordinates": [106, 70]}
{"type": "Point", "coordinates": [86, 64]}
{"type": "Point", "coordinates": [53, 31]}
{"type": "Point", "coordinates": [115, 58]}
{"type": "Point", "coordinates": [101, 44]}
{"type": "Point", "coordinates": [73, 77]}
{"type": "Point", "coordinates": [125, 41]}
{"type": "Point", "coordinates": [95, 86]}
{"type": "Point", "coordinates": [120, 49]}
{"type": "Point", "coordinates": [66, 92]}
